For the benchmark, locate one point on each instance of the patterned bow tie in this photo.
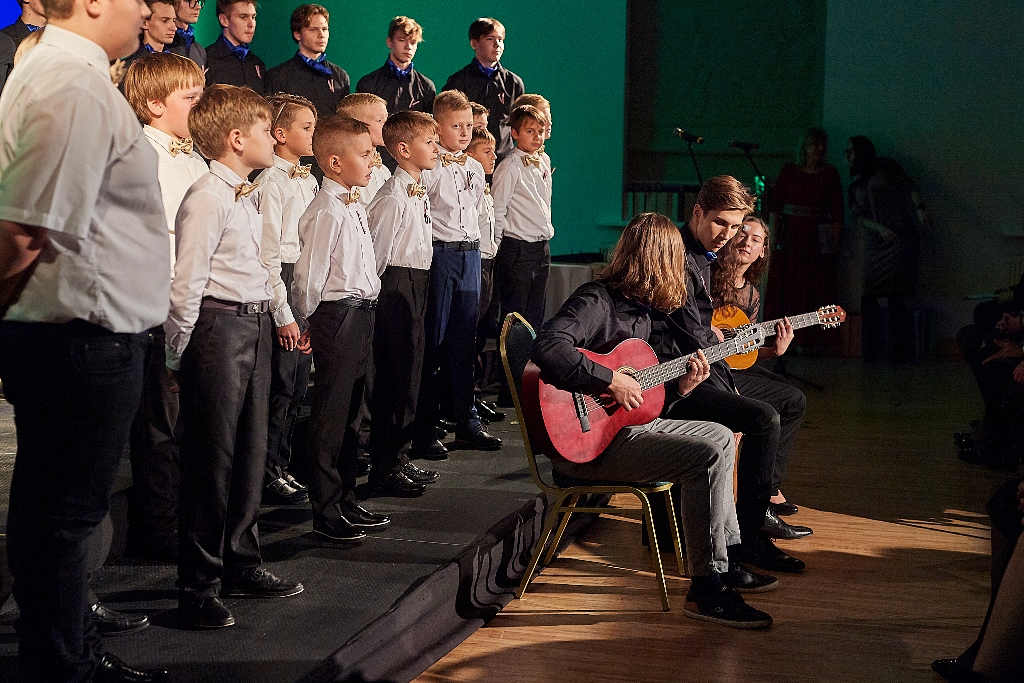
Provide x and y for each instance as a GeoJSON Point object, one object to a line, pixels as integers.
{"type": "Point", "coordinates": [487, 188]}
{"type": "Point", "coordinates": [117, 71]}
{"type": "Point", "coordinates": [182, 145]}
{"type": "Point", "coordinates": [352, 196]}
{"type": "Point", "coordinates": [448, 159]}
{"type": "Point", "coordinates": [541, 150]}
{"type": "Point", "coordinates": [300, 171]}
{"type": "Point", "coordinates": [416, 190]}
{"type": "Point", "coordinates": [245, 189]}
{"type": "Point", "coordinates": [377, 160]}
{"type": "Point", "coordinates": [527, 160]}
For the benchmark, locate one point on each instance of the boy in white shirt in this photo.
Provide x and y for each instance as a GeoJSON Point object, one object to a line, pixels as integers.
{"type": "Point", "coordinates": [219, 335]}
{"type": "Point", "coordinates": [335, 289]}
{"type": "Point", "coordinates": [400, 224]}
{"type": "Point", "coordinates": [162, 89]}
{"type": "Point", "coordinates": [373, 111]}
{"type": "Point", "coordinates": [286, 189]}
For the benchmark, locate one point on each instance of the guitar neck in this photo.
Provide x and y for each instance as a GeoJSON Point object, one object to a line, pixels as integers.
{"type": "Point", "coordinates": [798, 322]}
{"type": "Point", "coordinates": [676, 368]}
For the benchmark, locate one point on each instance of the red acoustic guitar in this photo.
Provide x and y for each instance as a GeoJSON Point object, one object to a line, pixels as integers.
{"type": "Point", "coordinates": [579, 426]}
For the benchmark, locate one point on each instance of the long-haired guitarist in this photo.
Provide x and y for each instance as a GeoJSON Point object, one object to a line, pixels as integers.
{"type": "Point", "coordinates": [646, 274]}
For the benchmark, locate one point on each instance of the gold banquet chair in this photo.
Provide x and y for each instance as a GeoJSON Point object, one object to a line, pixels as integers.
{"type": "Point", "coordinates": [515, 344]}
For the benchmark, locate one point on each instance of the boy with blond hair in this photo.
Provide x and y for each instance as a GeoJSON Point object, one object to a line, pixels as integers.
{"type": "Point", "coordinates": [480, 114]}
{"type": "Point", "coordinates": [335, 289]}
{"type": "Point", "coordinates": [372, 111]}
{"type": "Point", "coordinates": [398, 82]}
{"type": "Point", "coordinates": [286, 189]}
{"type": "Point", "coordinates": [219, 337]}
{"type": "Point", "coordinates": [162, 89]}
{"type": "Point", "coordinates": [184, 43]}
{"type": "Point", "coordinates": [400, 224]}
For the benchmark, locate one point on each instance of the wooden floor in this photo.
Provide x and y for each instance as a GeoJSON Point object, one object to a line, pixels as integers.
{"type": "Point", "coordinates": [897, 566]}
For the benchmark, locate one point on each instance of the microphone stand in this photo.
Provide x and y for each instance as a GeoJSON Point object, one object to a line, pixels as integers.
{"type": "Point", "coordinates": [693, 156]}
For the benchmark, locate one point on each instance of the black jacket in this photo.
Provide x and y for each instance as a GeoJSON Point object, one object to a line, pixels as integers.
{"type": "Point", "coordinates": [195, 51]}
{"type": "Point", "coordinates": [6, 58]}
{"type": "Point", "coordinates": [295, 77]}
{"type": "Point", "coordinates": [224, 67]}
{"type": "Point", "coordinates": [497, 92]}
{"type": "Point", "coordinates": [17, 31]}
{"type": "Point", "coordinates": [413, 92]}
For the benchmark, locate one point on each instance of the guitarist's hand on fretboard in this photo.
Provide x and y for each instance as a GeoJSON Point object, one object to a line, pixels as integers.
{"type": "Point", "coordinates": [699, 370]}
{"type": "Point", "coordinates": [625, 390]}
{"type": "Point", "coordinates": [783, 338]}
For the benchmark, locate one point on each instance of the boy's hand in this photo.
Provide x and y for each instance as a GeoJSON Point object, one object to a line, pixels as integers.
{"type": "Point", "coordinates": [625, 390]}
{"type": "Point", "coordinates": [303, 344]}
{"type": "Point", "coordinates": [288, 336]}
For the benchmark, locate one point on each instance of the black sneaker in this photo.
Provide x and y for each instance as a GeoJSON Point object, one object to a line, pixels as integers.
{"type": "Point", "coordinates": [203, 612]}
{"type": "Point", "coordinates": [727, 608]}
{"type": "Point", "coordinates": [743, 580]}
{"type": "Point", "coordinates": [762, 553]}
{"type": "Point", "coordinates": [260, 583]}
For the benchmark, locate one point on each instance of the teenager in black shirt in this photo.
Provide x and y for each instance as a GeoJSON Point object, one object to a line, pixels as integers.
{"type": "Point", "coordinates": [398, 82]}
{"type": "Point", "coordinates": [229, 60]}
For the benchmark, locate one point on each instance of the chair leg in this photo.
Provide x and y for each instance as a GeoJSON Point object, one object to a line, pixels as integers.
{"type": "Point", "coordinates": [655, 553]}
{"type": "Point", "coordinates": [567, 513]}
{"type": "Point", "coordinates": [676, 541]}
{"type": "Point", "coordinates": [549, 524]}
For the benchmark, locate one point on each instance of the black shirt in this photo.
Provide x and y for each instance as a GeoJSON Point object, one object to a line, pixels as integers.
{"type": "Point", "coordinates": [413, 91]}
{"type": "Point", "coordinates": [17, 31]}
{"type": "Point", "coordinates": [295, 77]}
{"type": "Point", "coordinates": [497, 92]}
{"type": "Point", "coordinates": [224, 67]}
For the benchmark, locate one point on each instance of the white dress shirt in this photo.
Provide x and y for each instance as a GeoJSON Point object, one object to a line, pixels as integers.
{"type": "Point", "coordinates": [400, 225]}
{"type": "Point", "coordinates": [218, 242]}
{"type": "Point", "coordinates": [489, 237]}
{"type": "Point", "coordinates": [522, 197]}
{"type": "Point", "coordinates": [336, 258]}
{"type": "Point", "coordinates": [177, 173]}
{"type": "Point", "coordinates": [73, 160]}
{"type": "Point", "coordinates": [378, 176]}
{"type": "Point", "coordinates": [282, 199]}
{"type": "Point", "coordinates": [455, 191]}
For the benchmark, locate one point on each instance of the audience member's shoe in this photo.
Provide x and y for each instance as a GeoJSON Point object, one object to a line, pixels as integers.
{"type": "Point", "coordinates": [947, 668]}
{"type": "Point", "coordinates": [488, 411]}
{"type": "Point", "coordinates": [784, 509]}
{"type": "Point", "coordinates": [280, 492]}
{"type": "Point", "coordinates": [435, 450]}
{"type": "Point", "coordinates": [363, 465]}
{"type": "Point", "coordinates": [397, 485]}
{"type": "Point", "coordinates": [479, 440]}
{"type": "Point", "coordinates": [419, 475]}
{"type": "Point", "coordinates": [260, 583]}
{"type": "Point", "coordinates": [112, 623]}
{"type": "Point", "coordinates": [440, 434]}
{"type": "Point", "coordinates": [337, 530]}
{"type": "Point", "coordinates": [447, 425]}
{"type": "Point", "coordinates": [113, 670]}
{"type": "Point", "coordinates": [361, 518]}
{"type": "Point", "coordinates": [203, 612]}
{"type": "Point", "coordinates": [743, 580]}
{"type": "Point", "coordinates": [726, 607]}
{"type": "Point", "coordinates": [293, 482]}
{"type": "Point", "coordinates": [761, 552]}
{"type": "Point", "coordinates": [776, 528]}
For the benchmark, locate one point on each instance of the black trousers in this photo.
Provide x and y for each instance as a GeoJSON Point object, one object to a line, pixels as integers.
{"type": "Point", "coordinates": [788, 401]}
{"type": "Point", "coordinates": [75, 388]}
{"type": "Point", "coordinates": [289, 377]}
{"type": "Point", "coordinates": [995, 380]}
{"type": "Point", "coordinates": [153, 445]}
{"type": "Point", "coordinates": [342, 339]}
{"type": "Point", "coordinates": [522, 272]}
{"type": "Point", "coordinates": [225, 384]}
{"type": "Point", "coordinates": [760, 425]}
{"type": "Point", "coordinates": [398, 342]}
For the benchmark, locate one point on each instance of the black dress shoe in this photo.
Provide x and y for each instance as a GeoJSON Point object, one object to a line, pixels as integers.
{"type": "Point", "coordinates": [478, 441]}
{"type": "Point", "coordinates": [947, 668]}
{"type": "Point", "coordinates": [111, 623]}
{"type": "Point", "coordinates": [203, 612]}
{"type": "Point", "coordinates": [397, 485]}
{"type": "Point", "coordinates": [434, 450]}
{"type": "Point", "coordinates": [776, 528]}
{"type": "Point", "coordinates": [337, 530]}
{"type": "Point", "coordinates": [783, 509]}
{"type": "Point", "coordinates": [420, 475]}
{"type": "Point", "coordinates": [488, 411]}
{"type": "Point", "coordinates": [363, 465]}
{"type": "Point", "coordinates": [761, 552]}
{"type": "Point", "coordinates": [280, 492]}
{"type": "Point", "coordinates": [447, 425]}
{"type": "Point", "coordinates": [361, 518]}
{"type": "Point", "coordinates": [111, 670]}
{"type": "Point", "coordinates": [743, 580]}
{"type": "Point", "coordinates": [260, 583]}
{"type": "Point", "coordinates": [294, 483]}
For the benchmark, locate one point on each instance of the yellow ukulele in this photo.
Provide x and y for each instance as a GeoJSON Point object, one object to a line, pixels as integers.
{"type": "Point", "coordinates": [731, 319]}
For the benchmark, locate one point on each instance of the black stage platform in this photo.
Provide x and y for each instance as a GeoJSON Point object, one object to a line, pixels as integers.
{"type": "Point", "coordinates": [386, 609]}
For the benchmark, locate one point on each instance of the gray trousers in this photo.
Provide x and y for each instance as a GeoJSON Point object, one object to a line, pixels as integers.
{"type": "Point", "coordinates": [699, 457]}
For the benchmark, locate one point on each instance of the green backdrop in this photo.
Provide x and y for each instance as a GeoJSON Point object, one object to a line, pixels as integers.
{"type": "Point", "coordinates": [574, 58]}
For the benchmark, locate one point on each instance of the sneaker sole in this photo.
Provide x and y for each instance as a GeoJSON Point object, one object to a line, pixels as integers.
{"type": "Point", "coordinates": [765, 623]}
{"type": "Point", "coordinates": [246, 594]}
{"type": "Point", "coordinates": [756, 589]}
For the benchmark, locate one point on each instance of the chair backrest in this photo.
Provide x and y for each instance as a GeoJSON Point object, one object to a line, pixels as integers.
{"type": "Point", "coordinates": [515, 345]}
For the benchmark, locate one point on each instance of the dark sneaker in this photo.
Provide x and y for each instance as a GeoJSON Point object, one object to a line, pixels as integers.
{"type": "Point", "coordinates": [203, 612]}
{"type": "Point", "coordinates": [762, 553]}
{"type": "Point", "coordinates": [260, 583]}
{"type": "Point", "coordinates": [727, 608]}
{"type": "Point", "coordinates": [743, 580]}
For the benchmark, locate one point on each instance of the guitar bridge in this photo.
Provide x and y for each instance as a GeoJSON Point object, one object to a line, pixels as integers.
{"type": "Point", "coordinates": [581, 411]}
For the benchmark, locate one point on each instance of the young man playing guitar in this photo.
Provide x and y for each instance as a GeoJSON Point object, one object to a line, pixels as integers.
{"type": "Point", "coordinates": [646, 274]}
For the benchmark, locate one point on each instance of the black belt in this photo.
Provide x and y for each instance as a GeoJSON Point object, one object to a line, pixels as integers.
{"type": "Point", "coordinates": [251, 308]}
{"type": "Point", "coordinates": [353, 302]}
{"type": "Point", "coordinates": [458, 246]}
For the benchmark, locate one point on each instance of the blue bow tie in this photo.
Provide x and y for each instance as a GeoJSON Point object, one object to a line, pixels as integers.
{"type": "Point", "coordinates": [317, 65]}
{"type": "Point", "coordinates": [32, 28]}
{"type": "Point", "coordinates": [188, 36]}
{"type": "Point", "coordinates": [399, 73]}
{"type": "Point", "coordinates": [487, 70]}
{"type": "Point", "coordinates": [149, 49]}
{"type": "Point", "coordinates": [240, 51]}
{"type": "Point", "coordinates": [711, 256]}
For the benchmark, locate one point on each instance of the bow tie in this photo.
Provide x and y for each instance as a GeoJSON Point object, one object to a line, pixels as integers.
{"type": "Point", "coordinates": [188, 36]}
{"type": "Point", "coordinates": [300, 171]}
{"type": "Point", "coordinates": [318, 65]}
{"type": "Point", "coordinates": [417, 190]}
{"type": "Point", "coordinates": [486, 70]}
{"type": "Point", "coordinates": [399, 73]}
{"type": "Point", "coordinates": [377, 161]}
{"type": "Point", "coordinates": [448, 159]}
{"type": "Point", "coordinates": [352, 196]}
{"type": "Point", "coordinates": [541, 150]}
{"type": "Point", "coordinates": [182, 145]}
{"type": "Point", "coordinates": [32, 28]}
{"type": "Point", "coordinates": [535, 160]}
{"type": "Point", "coordinates": [117, 71]}
{"type": "Point", "coordinates": [245, 189]}
{"type": "Point", "coordinates": [239, 51]}
{"type": "Point", "coordinates": [487, 188]}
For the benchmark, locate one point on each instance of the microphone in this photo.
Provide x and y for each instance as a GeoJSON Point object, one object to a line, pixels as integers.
{"type": "Point", "coordinates": [689, 137]}
{"type": "Point", "coordinates": [745, 146]}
